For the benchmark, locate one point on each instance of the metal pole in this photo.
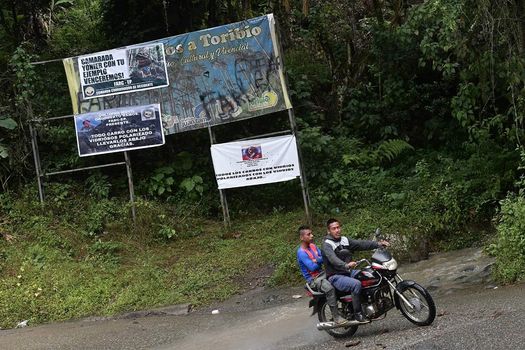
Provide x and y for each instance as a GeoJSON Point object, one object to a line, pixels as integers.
{"type": "Point", "coordinates": [304, 184]}
{"type": "Point", "coordinates": [130, 184]}
{"type": "Point", "coordinates": [222, 193]}
{"type": "Point", "coordinates": [36, 157]}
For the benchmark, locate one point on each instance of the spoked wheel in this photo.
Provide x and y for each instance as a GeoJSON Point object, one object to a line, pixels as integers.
{"type": "Point", "coordinates": [325, 315]}
{"type": "Point", "coordinates": [422, 309]}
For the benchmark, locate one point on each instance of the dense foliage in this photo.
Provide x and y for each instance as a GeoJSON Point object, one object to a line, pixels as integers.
{"type": "Point", "coordinates": [410, 117]}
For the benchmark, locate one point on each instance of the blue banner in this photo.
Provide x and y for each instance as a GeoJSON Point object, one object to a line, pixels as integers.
{"type": "Point", "coordinates": [119, 130]}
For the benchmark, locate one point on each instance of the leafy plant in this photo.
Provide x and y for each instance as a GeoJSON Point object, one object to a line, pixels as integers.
{"type": "Point", "coordinates": [386, 151]}
{"type": "Point", "coordinates": [509, 247]}
{"type": "Point", "coordinates": [165, 231]}
{"type": "Point", "coordinates": [105, 251]}
{"type": "Point", "coordinates": [98, 185]}
{"type": "Point", "coordinates": [9, 124]}
{"type": "Point", "coordinates": [161, 181]}
{"type": "Point", "coordinates": [193, 186]}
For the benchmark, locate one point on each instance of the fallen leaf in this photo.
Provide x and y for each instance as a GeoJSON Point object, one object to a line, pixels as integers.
{"type": "Point", "coordinates": [442, 313]}
{"type": "Point", "coordinates": [353, 343]}
{"type": "Point", "coordinates": [497, 314]}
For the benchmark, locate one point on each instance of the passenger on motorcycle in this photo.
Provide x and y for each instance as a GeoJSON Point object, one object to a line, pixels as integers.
{"type": "Point", "coordinates": [337, 254]}
{"type": "Point", "coordinates": [310, 262]}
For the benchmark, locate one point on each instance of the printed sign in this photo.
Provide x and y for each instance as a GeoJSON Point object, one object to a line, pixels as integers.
{"type": "Point", "coordinates": [218, 75]}
{"type": "Point", "coordinates": [118, 130]}
{"type": "Point", "coordinates": [120, 71]}
{"type": "Point", "coordinates": [255, 162]}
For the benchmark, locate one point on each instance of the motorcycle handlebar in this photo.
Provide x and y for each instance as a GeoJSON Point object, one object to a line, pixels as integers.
{"type": "Point", "coordinates": [359, 262]}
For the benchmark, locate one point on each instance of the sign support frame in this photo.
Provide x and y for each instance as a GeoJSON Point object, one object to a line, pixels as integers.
{"type": "Point", "coordinates": [222, 193]}
{"type": "Point", "coordinates": [41, 175]}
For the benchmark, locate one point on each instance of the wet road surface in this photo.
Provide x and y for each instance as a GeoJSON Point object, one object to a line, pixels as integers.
{"type": "Point", "coordinates": [473, 313]}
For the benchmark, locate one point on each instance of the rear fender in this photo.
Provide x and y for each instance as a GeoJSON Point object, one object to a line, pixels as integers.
{"type": "Point", "coordinates": [401, 287]}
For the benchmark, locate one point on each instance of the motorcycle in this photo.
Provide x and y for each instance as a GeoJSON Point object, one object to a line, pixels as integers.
{"type": "Point", "coordinates": [382, 290]}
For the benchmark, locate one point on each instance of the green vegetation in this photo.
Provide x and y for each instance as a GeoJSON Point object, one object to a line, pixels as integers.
{"type": "Point", "coordinates": [56, 267]}
{"type": "Point", "coordinates": [410, 118]}
{"type": "Point", "coordinates": [509, 247]}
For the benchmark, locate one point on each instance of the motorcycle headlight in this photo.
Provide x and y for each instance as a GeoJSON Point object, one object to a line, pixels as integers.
{"type": "Point", "coordinates": [390, 264]}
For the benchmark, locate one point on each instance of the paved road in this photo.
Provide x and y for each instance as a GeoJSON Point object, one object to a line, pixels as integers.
{"type": "Point", "coordinates": [477, 316]}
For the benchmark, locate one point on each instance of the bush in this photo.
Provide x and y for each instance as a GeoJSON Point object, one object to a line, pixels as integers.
{"type": "Point", "coordinates": [509, 247]}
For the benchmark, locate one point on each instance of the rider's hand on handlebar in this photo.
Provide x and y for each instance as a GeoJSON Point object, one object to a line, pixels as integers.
{"type": "Point", "coordinates": [384, 243]}
{"type": "Point", "coordinates": [351, 264]}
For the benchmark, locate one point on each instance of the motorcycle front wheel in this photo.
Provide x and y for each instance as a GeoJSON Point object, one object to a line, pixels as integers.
{"type": "Point", "coordinates": [422, 309]}
{"type": "Point", "coordinates": [325, 315]}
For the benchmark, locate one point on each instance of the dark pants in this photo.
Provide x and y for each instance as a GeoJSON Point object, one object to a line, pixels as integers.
{"type": "Point", "coordinates": [349, 284]}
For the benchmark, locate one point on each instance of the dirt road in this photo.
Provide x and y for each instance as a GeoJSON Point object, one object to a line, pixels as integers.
{"type": "Point", "coordinates": [472, 313]}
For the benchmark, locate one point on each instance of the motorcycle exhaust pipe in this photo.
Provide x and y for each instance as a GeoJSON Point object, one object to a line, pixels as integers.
{"type": "Point", "coordinates": [322, 326]}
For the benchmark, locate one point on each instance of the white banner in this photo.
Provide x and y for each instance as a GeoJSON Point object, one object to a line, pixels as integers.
{"type": "Point", "coordinates": [255, 162]}
{"type": "Point", "coordinates": [121, 71]}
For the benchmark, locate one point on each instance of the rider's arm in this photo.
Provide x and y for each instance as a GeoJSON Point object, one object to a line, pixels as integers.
{"type": "Point", "coordinates": [305, 260]}
{"type": "Point", "coordinates": [319, 256]}
{"type": "Point", "coordinates": [356, 244]}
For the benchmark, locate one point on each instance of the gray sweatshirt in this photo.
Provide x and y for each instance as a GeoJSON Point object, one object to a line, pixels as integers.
{"type": "Point", "coordinates": [335, 265]}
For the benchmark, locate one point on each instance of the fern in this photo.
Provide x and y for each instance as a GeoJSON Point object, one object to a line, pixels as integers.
{"type": "Point", "coordinates": [390, 150]}
{"type": "Point", "coordinates": [386, 151]}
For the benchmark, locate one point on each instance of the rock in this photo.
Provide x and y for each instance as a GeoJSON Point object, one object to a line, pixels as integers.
{"type": "Point", "coordinates": [270, 298]}
{"type": "Point", "coordinates": [215, 312]}
{"type": "Point", "coordinates": [297, 296]}
{"type": "Point", "coordinates": [22, 324]}
{"type": "Point", "coordinates": [468, 269]}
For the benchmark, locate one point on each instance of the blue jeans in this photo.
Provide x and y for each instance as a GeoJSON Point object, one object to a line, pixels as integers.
{"type": "Point", "coordinates": [346, 283]}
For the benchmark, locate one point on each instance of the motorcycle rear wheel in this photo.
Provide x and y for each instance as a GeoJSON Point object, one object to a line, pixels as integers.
{"type": "Point", "coordinates": [423, 311]}
{"type": "Point", "coordinates": [325, 315]}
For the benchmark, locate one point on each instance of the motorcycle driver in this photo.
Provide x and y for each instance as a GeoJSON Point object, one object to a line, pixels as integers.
{"type": "Point", "coordinates": [337, 254]}
{"type": "Point", "coordinates": [310, 262]}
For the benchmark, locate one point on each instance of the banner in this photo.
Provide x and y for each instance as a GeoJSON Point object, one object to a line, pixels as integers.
{"type": "Point", "coordinates": [255, 162]}
{"type": "Point", "coordinates": [216, 76]}
{"type": "Point", "coordinates": [120, 71]}
{"type": "Point", "coordinates": [118, 130]}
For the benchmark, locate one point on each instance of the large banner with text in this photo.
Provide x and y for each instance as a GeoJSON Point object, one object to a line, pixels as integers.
{"type": "Point", "coordinates": [121, 71]}
{"type": "Point", "coordinates": [215, 76]}
{"type": "Point", "coordinates": [118, 130]}
{"type": "Point", "coordinates": [255, 162]}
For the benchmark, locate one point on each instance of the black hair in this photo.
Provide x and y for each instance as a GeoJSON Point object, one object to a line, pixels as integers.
{"type": "Point", "coordinates": [303, 228]}
{"type": "Point", "coordinates": [331, 221]}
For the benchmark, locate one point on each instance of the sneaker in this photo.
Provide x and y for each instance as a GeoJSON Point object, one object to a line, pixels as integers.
{"type": "Point", "coordinates": [359, 317]}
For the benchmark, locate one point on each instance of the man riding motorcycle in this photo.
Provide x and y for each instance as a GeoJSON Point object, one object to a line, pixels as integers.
{"type": "Point", "coordinates": [337, 255]}
{"type": "Point", "coordinates": [310, 262]}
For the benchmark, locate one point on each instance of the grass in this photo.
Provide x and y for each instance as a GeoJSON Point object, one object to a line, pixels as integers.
{"type": "Point", "coordinates": [81, 256]}
{"type": "Point", "coordinates": [53, 270]}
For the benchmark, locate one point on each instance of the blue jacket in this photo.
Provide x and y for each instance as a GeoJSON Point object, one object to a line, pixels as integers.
{"type": "Point", "coordinates": [306, 264]}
